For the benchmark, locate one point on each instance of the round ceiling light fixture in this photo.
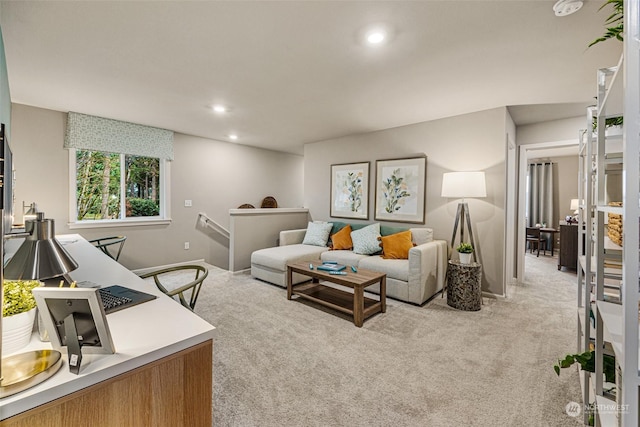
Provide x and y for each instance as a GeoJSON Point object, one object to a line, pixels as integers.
{"type": "Point", "coordinates": [219, 108]}
{"type": "Point", "coordinates": [233, 137]}
{"type": "Point", "coordinates": [375, 35]}
{"type": "Point", "coordinates": [567, 7]}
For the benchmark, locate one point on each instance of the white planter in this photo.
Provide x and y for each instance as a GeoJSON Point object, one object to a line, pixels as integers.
{"type": "Point", "coordinates": [613, 131]}
{"type": "Point", "coordinates": [465, 258]}
{"type": "Point", "coordinates": [16, 331]}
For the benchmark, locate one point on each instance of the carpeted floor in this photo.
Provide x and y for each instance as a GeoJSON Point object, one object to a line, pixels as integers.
{"type": "Point", "coordinates": [287, 363]}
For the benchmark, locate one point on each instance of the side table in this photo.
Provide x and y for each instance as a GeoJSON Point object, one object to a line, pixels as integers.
{"type": "Point", "coordinates": [464, 285]}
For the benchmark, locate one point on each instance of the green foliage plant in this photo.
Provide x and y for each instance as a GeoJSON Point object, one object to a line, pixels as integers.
{"type": "Point", "coordinates": [464, 248]}
{"type": "Point", "coordinates": [587, 363]}
{"type": "Point", "coordinates": [99, 181]}
{"type": "Point", "coordinates": [611, 121]}
{"type": "Point", "coordinates": [614, 23]}
{"type": "Point", "coordinates": [18, 297]}
{"type": "Point", "coordinates": [143, 207]}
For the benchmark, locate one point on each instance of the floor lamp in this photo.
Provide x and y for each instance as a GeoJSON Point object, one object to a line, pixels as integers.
{"type": "Point", "coordinates": [463, 185]}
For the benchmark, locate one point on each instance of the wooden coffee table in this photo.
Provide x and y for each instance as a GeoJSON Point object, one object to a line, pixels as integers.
{"type": "Point", "coordinates": [354, 304]}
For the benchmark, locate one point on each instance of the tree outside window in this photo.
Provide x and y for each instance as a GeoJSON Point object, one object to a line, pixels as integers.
{"type": "Point", "coordinates": [107, 182]}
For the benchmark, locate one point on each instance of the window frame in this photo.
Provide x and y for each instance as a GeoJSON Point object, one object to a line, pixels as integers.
{"type": "Point", "coordinates": [165, 203]}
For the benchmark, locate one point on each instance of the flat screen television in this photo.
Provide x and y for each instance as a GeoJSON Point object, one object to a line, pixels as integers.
{"type": "Point", "coordinates": [7, 181]}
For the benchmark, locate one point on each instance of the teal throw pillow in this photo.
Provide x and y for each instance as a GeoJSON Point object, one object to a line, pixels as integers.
{"type": "Point", "coordinates": [317, 233]}
{"type": "Point", "coordinates": [337, 226]}
{"type": "Point", "coordinates": [365, 240]}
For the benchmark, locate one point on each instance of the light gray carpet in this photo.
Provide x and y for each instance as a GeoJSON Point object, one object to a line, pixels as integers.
{"type": "Point", "coordinates": [287, 363]}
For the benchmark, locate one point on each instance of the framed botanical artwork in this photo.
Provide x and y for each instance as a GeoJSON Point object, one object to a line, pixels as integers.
{"type": "Point", "coordinates": [400, 189]}
{"type": "Point", "coordinates": [350, 190]}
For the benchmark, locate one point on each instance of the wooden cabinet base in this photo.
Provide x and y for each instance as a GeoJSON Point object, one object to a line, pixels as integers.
{"type": "Point", "coordinates": [173, 391]}
{"type": "Point", "coordinates": [568, 256]}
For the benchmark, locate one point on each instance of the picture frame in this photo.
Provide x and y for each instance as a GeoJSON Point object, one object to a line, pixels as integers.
{"type": "Point", "coordinates": [77, 310]}
{"type": "Point", "coordinates": [400, 189]}
{"type": "Point", "coordinates": [350, 190]}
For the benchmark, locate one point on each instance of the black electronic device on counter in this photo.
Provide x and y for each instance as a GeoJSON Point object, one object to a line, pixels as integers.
{"type": "Point", "coordinates": [115, 298]}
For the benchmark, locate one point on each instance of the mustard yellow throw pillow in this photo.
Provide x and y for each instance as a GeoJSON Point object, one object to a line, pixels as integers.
{"type": "Point", "coordinates": [342, 239]}
{"type": "Point", "coordinates": [396, 246]}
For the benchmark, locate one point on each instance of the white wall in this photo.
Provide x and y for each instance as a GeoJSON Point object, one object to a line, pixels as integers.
{"type": "Point", "coordinates": [464, 143]}
{"type": "Point", "coordinates": [216, 176]}
{"type": "Point", "coordinates": [254, 229]}
{"type": "Point", "coordinates": [511, 200]}
{"type": "Point", "coordinates": [555, 130]}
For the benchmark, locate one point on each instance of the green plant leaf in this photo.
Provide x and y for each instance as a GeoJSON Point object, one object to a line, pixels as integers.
{"type": "Point", "coordinates": [18, 297]}
{"type": "Point", "coordinates": [616, 17]}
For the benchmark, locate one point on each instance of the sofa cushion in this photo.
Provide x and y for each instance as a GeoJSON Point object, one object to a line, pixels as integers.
{"type": "Point", "coordinates": [343, 257]}
{"type": "Point", "coordinates": [421, 235]}
{"type": "Point", "coordinates": [317, 233]}
{"type": "Point", "coordinates": [395, 268]}
{"type": "Point", "coordinates": [396, 246]}
{"type": "Point", "coordinates": [337, 226]}
{"type": "Point", "coordinates": [342, 239]}
{"type": "Point", "coordinates": [365, 240]}
{"type": "Point", "coordinates": [386, 230]}
{"type": "Point", "coordinates": [278, 257]}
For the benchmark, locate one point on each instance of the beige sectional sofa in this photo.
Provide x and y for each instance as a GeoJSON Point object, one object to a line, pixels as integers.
{"type": "Point", "coordinates": [413, 280]}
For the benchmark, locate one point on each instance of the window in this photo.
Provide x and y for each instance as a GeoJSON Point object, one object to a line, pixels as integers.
{"type": "Point", "coordinates": [117, 187]}
{"type": "Point", "coordinates": [119, 172]}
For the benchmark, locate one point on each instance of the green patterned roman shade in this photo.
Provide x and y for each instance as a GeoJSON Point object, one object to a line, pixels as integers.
{"type": "Point", "coordinates": [99, 134]}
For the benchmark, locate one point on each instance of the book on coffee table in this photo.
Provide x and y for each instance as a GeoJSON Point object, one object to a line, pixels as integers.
{"type": "Point", "coordinates": [331, 267]}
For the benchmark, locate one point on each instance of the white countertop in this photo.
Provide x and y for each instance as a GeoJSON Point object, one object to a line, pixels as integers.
{"type": "Point", "coordinates": [141, 334]}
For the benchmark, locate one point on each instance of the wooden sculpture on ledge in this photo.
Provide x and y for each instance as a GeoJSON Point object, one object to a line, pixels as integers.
{"type": "Point", "coordinates": [269, 202]}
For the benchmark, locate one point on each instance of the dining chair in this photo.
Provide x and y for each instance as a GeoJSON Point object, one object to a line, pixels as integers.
{"type": "Point", "coordinates": [535, 238]}
{"type": "Point", "coordinates": [173, 285]}
{"type": "Point", "coordinates": [103, 243]}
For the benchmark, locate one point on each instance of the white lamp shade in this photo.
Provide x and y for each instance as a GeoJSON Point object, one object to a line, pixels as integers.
{"type": "Point", "coordinates": [574, 204]}
{"type": "Point", "coordinates": [463, 184]}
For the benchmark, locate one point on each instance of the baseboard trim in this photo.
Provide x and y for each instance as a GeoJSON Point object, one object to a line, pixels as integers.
{"type": "Point", "coordinates": [492, 295]}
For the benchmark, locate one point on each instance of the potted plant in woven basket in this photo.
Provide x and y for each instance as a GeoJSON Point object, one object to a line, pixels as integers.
{"type": "Point", "coordinates": [18, 314]}
{"type": "Point", "coordinates": [464, 252]}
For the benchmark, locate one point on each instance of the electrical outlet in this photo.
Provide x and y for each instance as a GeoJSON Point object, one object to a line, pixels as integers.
{"type": "Point", "coordinates": [187, 204]}
{"type": "Point", "coordinates": [186, 246]}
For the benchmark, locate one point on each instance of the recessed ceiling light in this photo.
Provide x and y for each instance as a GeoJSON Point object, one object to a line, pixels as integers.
{"type": "Point", "coordinates": [375, 34]}
{"type": "Point", "coordinates": [219, 108]}
{"type": "Point", "coordinates": [233, 136]}
{"type": "Point", "coordinates": [376, 37]}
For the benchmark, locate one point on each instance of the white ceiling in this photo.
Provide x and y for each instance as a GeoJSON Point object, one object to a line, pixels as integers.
{"type": "Point", "coordinates": [295, 72]}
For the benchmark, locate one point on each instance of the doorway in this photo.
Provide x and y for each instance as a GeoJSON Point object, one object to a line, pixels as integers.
{"type": "Point", "coordinates": [527, 153]}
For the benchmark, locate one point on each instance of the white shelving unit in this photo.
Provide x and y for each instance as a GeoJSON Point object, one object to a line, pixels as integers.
{"type": "Point", "coordinates": [605, 266]}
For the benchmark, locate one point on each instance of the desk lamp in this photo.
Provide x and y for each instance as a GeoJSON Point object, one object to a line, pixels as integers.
{"type": "Point", "coordinates": [574, 207]}
{"type": "Point", "coordinates": [40, 257]}
{"type": "Point", "coordinates": [463, 185]}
